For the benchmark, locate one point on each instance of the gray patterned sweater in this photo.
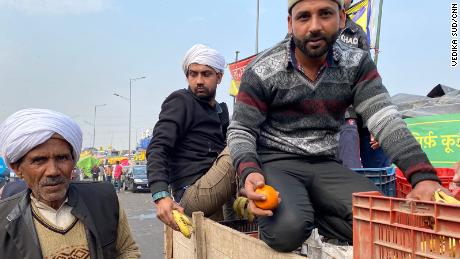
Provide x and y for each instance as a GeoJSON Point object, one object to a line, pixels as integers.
{"type": "Point", "coordinates": [279, 109]}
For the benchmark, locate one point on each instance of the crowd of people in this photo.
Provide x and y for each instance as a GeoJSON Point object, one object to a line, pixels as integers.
{"type": "Point", "coordinates": [284, 132]}
{"type": "Point", "coordinates": [109, 173]}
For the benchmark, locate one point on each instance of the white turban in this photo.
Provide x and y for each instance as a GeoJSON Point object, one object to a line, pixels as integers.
{"type": "Point", "coordinates": [203, 55]}
{"type": "Point", "coordinates": [28, 128]}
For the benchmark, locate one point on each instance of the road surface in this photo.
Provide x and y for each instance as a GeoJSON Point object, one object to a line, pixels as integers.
{"type": "Point", "coordinates": [146, 228]}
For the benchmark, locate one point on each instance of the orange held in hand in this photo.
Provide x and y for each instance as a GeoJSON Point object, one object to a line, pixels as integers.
{"type": "Point", "coordinates": [271, 195]}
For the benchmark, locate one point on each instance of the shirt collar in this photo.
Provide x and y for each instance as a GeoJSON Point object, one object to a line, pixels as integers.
{"type": "Point", "coordinates": [43, 206]}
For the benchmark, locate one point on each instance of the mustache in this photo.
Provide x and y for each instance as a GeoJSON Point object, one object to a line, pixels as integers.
{"type": "Point", "coordinates": [48, 181]}
{"type": "Point", "coordinates": [314, 37]}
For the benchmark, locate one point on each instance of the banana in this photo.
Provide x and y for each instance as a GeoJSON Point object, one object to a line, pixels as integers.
{"type": "Point", "coordinates": [441, 196]}
{"type": "Point", "coordinates": [437, 197]}
{"type": "Point", "coordinates": [250, 215]}
{"type": "Point", "coordinates": [241, 206]}
{"type": "Point", "coordinates": [184, 223]}
{"type": "Point", "coordinates": [235, 205]}
{"type": "Point", "coordinates": [238, 206]}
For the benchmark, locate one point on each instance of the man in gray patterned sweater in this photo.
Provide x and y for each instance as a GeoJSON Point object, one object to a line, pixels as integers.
{"type": "Point", "coordinates": [289, 109]}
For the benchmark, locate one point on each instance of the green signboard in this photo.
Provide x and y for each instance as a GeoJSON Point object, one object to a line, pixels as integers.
{"type": "Point", "coordinates": [439, 137]}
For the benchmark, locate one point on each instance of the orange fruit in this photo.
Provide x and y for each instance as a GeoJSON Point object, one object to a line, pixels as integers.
{"type": "Point", "coordinates": [271, 201]}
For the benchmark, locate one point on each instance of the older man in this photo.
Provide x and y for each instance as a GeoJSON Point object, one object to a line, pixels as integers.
{"type": "Point", "coordinates": [288, 112]}
{"type": "Point", "coordinates": [56, 218]}
{"type": "Point", "coordinates": [187, 152]}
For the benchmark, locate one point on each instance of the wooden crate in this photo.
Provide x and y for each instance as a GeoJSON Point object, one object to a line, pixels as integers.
{"type": "Point", "coordinates": [211, 240]}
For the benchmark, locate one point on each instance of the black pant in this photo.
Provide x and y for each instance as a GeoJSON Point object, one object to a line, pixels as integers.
{"type": "Point", "coordinates": [314, 193]}
{"type": "Point", "coordinates": [348, 150]}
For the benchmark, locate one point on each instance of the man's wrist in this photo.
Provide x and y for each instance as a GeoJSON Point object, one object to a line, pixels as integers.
{"type": "Point", "coordinates": [423, 176]}
{"type": "Point", "coordinates": [160, 195]}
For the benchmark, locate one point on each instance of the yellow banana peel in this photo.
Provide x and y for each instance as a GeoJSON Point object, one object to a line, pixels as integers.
{"type": "Point", "coordinates": [184, 223]}
{"type": "Point", "coordinates": [235, 205]}
{"type": "Point", "coordinates": [241, 207]}
{"type": "Point", "coordinates": [442, 197]}
{"type": "Point", "coordinates": [249, 215]}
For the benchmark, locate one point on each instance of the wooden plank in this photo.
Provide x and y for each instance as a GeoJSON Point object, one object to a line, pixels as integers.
{"type": "Point", "coordinates": [199, 235]}
{"type": "Point", "coordinates": [183, 248]}
{"type": "Point", "coordinates": [168, 242]}
{"type": "Point", "coordinates": [224, 242]}
{"type": "Point", "coordinates": [211, 240]}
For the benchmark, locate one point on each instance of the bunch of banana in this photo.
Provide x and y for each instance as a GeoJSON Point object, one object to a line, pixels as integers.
{"type": "Point", "coordinates": [241, 207]}
{"type": "Point", "coordinates": [184, 223]}
{"type": "Point", "coordinates": [441, 196]}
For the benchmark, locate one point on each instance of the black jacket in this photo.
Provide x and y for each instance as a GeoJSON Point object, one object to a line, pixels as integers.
{"type": "Point", "coordinates": [354, 35]}
{"type": "Point", "coordinates": [186, 140]}
{"type": "Point", "coordinates": [94, 204]}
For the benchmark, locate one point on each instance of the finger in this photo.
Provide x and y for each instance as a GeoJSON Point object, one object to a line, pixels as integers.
{"type": "Point", "coordinates": [412, 196]}
{"type": "Point", "coordinates": [259, 184]}
{"type": "Point", "coordinates": [248, 186]}
{"type": "Point", "coordinates": [258, 211]}
{"type": "Point", "coordinates": [176, 206]}
{"type": "Point", "coordinates": [171, 222]}
{"type": "Point", "coordinates": [255, 196]}
{"type": "Point", "coordinates": [257, 180]}
{"type": "Point", "coordinates": [165, 220]}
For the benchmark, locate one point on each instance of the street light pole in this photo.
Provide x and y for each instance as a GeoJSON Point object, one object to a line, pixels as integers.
{"type": "Point", "coordinates": [94, 122]}
{"type": "Point", "coordinates": [130, 99]}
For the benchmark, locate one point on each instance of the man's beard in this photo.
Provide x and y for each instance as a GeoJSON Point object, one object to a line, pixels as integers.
{"type": "Point", "coordinates": [302, 44]}
{"type": "Point", "coordinates": [203, 93]}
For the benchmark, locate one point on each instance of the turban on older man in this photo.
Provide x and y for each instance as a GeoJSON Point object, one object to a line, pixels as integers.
{"type": "Point", "coordinates": [203, 55]}
{"type": "Point", "coordinates": [28, 128]}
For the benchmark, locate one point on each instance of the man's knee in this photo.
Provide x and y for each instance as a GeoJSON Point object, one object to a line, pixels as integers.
{"type": "Point", "coordinates": [286, 236]}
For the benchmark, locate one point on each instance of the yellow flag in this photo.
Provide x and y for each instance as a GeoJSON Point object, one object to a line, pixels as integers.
{"type": "Point", "coordinates": [365, 13]}
{"type": "Point", "coordinates": [359, 14]}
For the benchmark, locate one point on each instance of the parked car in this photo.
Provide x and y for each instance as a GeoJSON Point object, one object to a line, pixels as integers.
{"type": "Point", "coordinates": [136, 179]}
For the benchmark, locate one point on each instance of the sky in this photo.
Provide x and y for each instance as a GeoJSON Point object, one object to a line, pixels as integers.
{"type": "Point", "coordinates": [71, 55]}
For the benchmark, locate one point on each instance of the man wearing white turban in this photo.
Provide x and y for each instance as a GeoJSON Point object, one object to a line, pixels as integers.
{"type": "Point", "coordinates": [187, 153]}
{"type": "Point", "coordinates": [56, 218]}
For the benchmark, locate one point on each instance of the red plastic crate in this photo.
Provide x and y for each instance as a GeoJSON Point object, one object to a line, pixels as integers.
{"type": "Point", "coordinates": [386, 227]}
{"type": "Point", "coordinates": [403, 187]}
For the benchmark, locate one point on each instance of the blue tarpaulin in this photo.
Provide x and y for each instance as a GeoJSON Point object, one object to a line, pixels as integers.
{"type": "Point", "coordinates": [144, 143]}
{"type": "Point", "coordinates": [3, 168]}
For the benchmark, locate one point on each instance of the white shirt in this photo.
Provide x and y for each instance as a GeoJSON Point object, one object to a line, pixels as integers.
{"type": "Point", "coordinates": [61, 217]}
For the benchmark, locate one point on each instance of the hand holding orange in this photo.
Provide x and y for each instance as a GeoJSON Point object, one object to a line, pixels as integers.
{"type": "Point", "coordinates": [271, 198]}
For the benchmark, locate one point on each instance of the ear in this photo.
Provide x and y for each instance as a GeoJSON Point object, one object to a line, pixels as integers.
{"type": "Point", "coordinates": [343, 18]}
{"type": "Point", "coordinates": [290, 24]}
{"type": "Point", "coordinates": [219, 77]}
{"type": "Point", "coordinates": [16, 169]}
